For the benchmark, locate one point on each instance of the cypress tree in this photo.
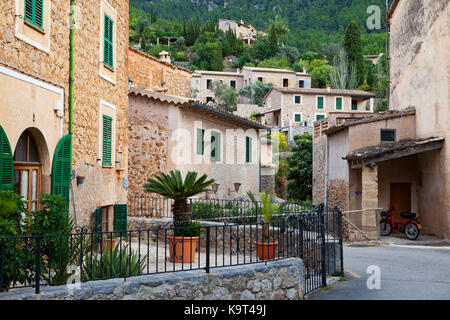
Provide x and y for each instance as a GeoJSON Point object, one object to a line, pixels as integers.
{"type": "Point", "coordinates": [353, 48]}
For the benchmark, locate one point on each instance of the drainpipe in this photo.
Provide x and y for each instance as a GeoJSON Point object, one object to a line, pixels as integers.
{"type": "Point", "coordinates": [326, 171]}
{"type": "Point", "coordinates": [71, 77]}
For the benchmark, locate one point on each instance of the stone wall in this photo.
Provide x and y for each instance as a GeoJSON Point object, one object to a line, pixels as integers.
{"type": "Point", "coordinates": [276, 280]}
{"type": "Point", "coordinates": [148, 72]}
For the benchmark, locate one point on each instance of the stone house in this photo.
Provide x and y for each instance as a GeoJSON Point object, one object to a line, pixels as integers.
{"type": "Point", "coordinates": [243, 31]}
{"type": "Point", "coordinates": [176, 133]}
{"type": "Point", "coordinates": [294, 110]}
{"type": "Point", "coordinates": [34, 103]}
{"type": "Point", "coordinates": [400, 156]}
{"type": "Point", "coordinates": [145, 71]}
{"type": "Point", "coordinates": [202, 82]}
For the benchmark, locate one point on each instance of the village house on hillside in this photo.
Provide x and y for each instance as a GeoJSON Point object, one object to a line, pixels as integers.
{"type": "Point", "coordinates": [294, 110]}
{"type": "Point", "coordinates": [35, 111]}
{"type": "Point", "coordinates": [176, 133]}
{"type": "Point", "coordinates": [400, 157]}
{"type": "Point", "coordinates": [202, 80]}
{"type": "Point", "coordinates": [243, 31]}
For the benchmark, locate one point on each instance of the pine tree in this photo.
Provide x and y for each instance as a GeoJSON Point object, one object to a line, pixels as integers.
{"type": "Point", "coordinates": [353, 48]}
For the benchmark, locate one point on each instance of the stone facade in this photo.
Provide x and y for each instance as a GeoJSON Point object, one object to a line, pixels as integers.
{"type": "Point", "coordinates": [275, 280]}
{"type": "Point", "coordinates": [40, 60]}
{"type": "Point", "coordinates": [150, 73]}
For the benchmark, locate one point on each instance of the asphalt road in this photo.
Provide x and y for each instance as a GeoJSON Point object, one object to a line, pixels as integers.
{"type": "Point", "coordinates": [405, 274]}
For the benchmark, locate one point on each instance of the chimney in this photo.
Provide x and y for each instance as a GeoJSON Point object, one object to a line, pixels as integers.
{"type": "Point", "coordinates": [328, 88]}
{"type": "Point", "coordinates": [304, 70]}
{"type": "Point", "coordinates": [165, 57]}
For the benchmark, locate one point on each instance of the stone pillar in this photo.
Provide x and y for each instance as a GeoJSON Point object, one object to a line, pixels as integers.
{"type": "Point", "coordinates": [369, 200]}
{"type": "Point", "coordinates": [268, 179]}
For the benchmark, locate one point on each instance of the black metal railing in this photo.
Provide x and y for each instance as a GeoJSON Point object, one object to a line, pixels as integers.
{"type": "Point", "coordinates": [243, 211]}
{"type": "Point", "coordinates": [51, 260]}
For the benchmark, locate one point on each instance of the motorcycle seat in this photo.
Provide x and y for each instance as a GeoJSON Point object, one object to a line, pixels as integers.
{"type": "Point", "coordinates": [408, 215]}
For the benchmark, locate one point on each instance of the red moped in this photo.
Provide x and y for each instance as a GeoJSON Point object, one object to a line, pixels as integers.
{"type": "Point", "coordinates": [410, 225]}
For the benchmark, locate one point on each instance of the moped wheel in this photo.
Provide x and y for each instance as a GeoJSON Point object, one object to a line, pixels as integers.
{"type": "Point", "coordinates": [412, 231]}
{"type": "Point", "coordinates": [385, 228]}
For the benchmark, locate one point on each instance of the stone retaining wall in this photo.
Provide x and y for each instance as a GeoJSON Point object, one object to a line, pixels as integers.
{"type": "Point", "coordinates": [278, 280]}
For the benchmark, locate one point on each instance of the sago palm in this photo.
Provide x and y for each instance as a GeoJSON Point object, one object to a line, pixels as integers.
{"type": "Point", "coordinates": [172, 186]}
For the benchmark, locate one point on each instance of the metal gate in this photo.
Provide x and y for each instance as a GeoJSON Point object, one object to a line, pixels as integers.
{"type": "Point", "coordinates": [321, 246]}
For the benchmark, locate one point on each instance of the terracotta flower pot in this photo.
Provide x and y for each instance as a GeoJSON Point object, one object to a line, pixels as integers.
{"type": "Point", "coordinates": [266, 250]}
{"type": "Point", "coordinates": [182, 249]}
{"type": "Point", "coordinates": [109, 243]}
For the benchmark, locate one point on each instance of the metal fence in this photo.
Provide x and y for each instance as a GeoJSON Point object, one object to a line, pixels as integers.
{"type": "Point", "coordinates": [207, 209]}
{"type": "Point", "coordinates": [44, 260]}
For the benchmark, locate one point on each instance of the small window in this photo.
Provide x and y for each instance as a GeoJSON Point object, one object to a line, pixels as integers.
{"type": "Point", "coordinates": [319, 117]}
{"type": "Point", "coordinates": [233, 84]}
{"type": "Point", "coordinates": [34, 12]}
{"type": "Point", "coordinates": [387, 135]}
{"type": "Point", "coordinates": [209, 84]}
{"type": "Point", "coordinates": [319, 102]}
{"type": "Point", "coordinates": [297, 117]}
{"type": "Point", "coordinates": [285, 83]}
{"type": "Point", "coordinates": [354, 105]}
{"type": "Point", "coordinates": [248, 149]}
{"type": "Point", "coordinates": [301, 83]}
{"type": "Point", "coordinates": [209, 99]}
{"type": "Point", "coordinates": [339, 103]}
{"type": "Point", "coordinates": [260, 79]}
{"type": "Point", "coordinates": [200, 141]}
{"type": "Point", "coordinates": [108, 56]}
{"type": "Point", "coordinates": [298, 99]}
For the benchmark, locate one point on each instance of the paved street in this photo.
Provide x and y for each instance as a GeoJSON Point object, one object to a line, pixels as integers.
{"type": "Point", "coordinates": [406, 273]}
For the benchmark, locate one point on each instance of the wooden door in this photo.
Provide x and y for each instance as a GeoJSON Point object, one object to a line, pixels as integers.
{"type": "Point", "coordinates": [400, 197]}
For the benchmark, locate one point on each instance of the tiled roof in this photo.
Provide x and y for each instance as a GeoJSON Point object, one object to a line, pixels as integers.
{"type": "Point", "coordinates": [157, 60]}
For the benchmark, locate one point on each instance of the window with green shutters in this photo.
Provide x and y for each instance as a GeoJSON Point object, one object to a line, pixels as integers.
{"type": "Point", "coordinates": [34, 12]}
{"type": "Point", "coordinates": [319, 102]}
{"type": "Point", "coordinates": [338, 103]}
{"type": "Point", "coordinates": [298, 117]}
{"type": "Point", "coordinates": [6, 163]}
{"type": "Point", "coordinates": [354, 105]}
{"type": "Point", "coordinates": [61, 169]}
{"type": "Point", "coordinates": [319, 116]}
{"type": "Point", "coordinates": [120, 219]}
{"type": "Point", "coordinates": [215, 146]}
{"type": "Point", "coordinates": [107, 141]}
{"type": "Point", "coordinates": [248, 149]}
{"type": "Point", "coordinates": [108, 42]}
{"type": "Point", "coordinates": [200, 141]}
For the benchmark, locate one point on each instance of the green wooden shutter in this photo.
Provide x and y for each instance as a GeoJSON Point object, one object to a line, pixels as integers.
{"type": "Point", "coordinates": [108, 42]}
{"type": "Point", "coordinates": [319, 102]}
{"type": "Point", "coordinates": [200, 141]}
{"type": "Point", "coordinates": [354, 105]}
{"type": "Point", "coordinates": [319, 116]}
{"type": "Point", "coordinates": [215, 146]}
{"type": "Point", "coordinates": [298, 117]}
{"type": "Point", "coordinates": [61, 169]}
{"type": "Point", "coordinates": [34, 12]}
{"type": "Point", "coordinates": [248, 149]}
{"type": "Point", "coordinates": [6, 163]}
{"type": "Point", "coordinates": [98, 220]}
{"type": "Point", "coordinates": [107, 141]}
{"type": "Point", "coordinates": [338, 103]}
{"type": "Point", "coordinates": [120, 218]}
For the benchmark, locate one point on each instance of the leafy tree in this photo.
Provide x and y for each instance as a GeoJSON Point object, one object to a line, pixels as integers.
{"type": "Point", "coordinates": [320, 73]}
{"type": "Point", "coordinates": [225, 95]}
{"type": "Point", "coordinates": [256, 92]}
{"type": "Point", "coordinates": [208, 53]}
{"type": "Point", "coordinates": [299, 175]}
{"type": "Point", "coordinates": [353, 48]}
{"type": "Point", "coordinates": [272, 63]}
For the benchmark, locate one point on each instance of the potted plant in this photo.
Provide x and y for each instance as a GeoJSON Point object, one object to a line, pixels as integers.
{"type": "Point", "coordinates": [172, 186]}
{"type": "Point", "coordinates": [269, 207]}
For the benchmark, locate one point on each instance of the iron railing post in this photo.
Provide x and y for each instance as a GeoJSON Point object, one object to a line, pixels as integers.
{"type": "Point", "coordinates": [208, 247]}
{"type": "Point", "coordinates": [341, 240]}
{"type": "Point", "coordinates": [322, 236]}
{"type": "Point", "coordinates": [190, 206]}
{"type": "Point", "coordinates": [38, 265]}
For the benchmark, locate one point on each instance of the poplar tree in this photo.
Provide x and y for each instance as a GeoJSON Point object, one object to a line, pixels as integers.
{"type": "Point", "coordinates": [353, 48]}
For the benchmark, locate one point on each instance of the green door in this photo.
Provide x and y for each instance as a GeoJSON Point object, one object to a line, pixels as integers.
{"type": "Point", "coordinates": [6, 163]}
{"type": "Point", "coordinates": [61, 169]}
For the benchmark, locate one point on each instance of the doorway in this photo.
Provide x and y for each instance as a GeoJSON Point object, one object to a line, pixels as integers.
{"type": "Point", "coordinates": [400, 198]}
{"type": "Point", "coordinates": [27, 170]}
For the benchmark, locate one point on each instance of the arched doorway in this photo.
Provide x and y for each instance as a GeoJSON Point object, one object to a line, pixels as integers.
{"type": "Point", "coordinates": [28, 170]}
